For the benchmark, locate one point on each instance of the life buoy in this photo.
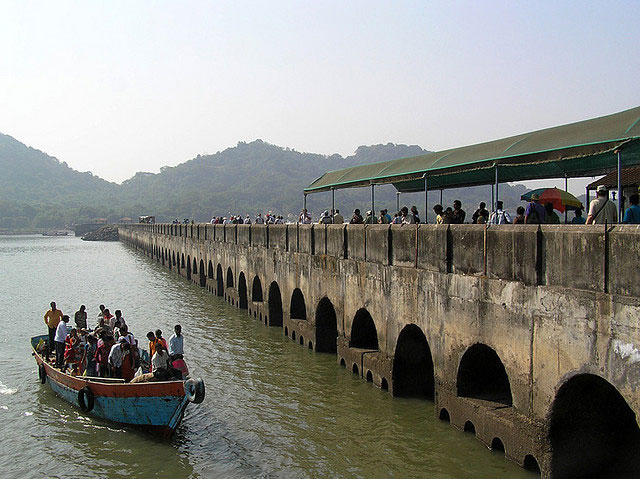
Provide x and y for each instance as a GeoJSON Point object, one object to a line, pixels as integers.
{"type": "Point", "coordinates": [42, 373]}
{"type": "Point", "coordinates": [194, 390]}
{"type": "Point", "coordinates": [86, 399]}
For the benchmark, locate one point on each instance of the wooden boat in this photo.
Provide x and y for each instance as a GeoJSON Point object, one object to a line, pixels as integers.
{"type": "Point", "coordinates": [154, 406]}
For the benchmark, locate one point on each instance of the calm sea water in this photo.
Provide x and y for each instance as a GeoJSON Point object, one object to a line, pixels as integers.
{"type": "Point", "coordinates": [273, 409]}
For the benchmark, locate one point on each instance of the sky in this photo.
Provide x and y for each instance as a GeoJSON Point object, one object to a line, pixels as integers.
{"type": "Point", "coordinates": [119, 87]}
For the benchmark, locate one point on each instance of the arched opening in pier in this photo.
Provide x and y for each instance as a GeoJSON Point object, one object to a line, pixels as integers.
{"type": "Point", "coordinates": [275, 305]}
{"type": "Point", "coordinates": [195, 266]}
{"type": "Point", "coordinates": [243, 301]}
{"type": "Point", "coordinates": [363, 331]}
{"type": "Point", "coordinates": [469, 427]}
{"type": "Point", "coordinates": [174, 258]}
{"type": "Point", "coordinates": [219, 281]}
{"type": "Point", "coordinates": [162, 256]}
{"type": "Point", "coordinates": [413, 365]}
{"type": "Point", "coordinates": [497, 445]}
{"type": "Point", "coordinates": [531, 464]}
{"type": "Point", "coordinates": [178, 263]}
{"type": "Point", "coordinates": [444, 415]}
{"type": "Point", "coordinates": [169, 261]}
{"type": "Point", "coordinates": [210, 270]}
{"type": "Point", "coordinates": [182, 262]}
{"type": "Point", "coordinates": [481, 375]}
{"type": "Point", "coordinates": [256, 290]}
{"type": "Point", "coordinates": [326, 327]}
{"type": "Point", "coordinates": [298, 308]}
{"type": "Point", "coordinates": [229, 277]}
{"type": "Point", "coordinates": [592, 430]}
{"type": "Point", "coordinates": [188, 267]}
{"type": "Point", "coordinates": [203, 276]}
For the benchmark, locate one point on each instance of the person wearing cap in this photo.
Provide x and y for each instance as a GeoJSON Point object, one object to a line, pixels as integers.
{"type": "Point", "coordinates": [370, 219]}
{"type": "Point", "coordinates": [602, 210]}
{"type": "Point", "coordinates": [535, 212]}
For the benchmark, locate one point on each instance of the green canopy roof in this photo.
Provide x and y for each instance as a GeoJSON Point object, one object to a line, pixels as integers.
{"type": "Point", "coordinates": [578, 149]}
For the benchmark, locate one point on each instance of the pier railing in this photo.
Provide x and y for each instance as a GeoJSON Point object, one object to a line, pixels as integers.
{"type": "Point", "coordinates": [596, 258]}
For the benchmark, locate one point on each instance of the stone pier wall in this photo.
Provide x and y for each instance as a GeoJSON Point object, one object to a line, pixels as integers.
{"type": "Point", "coordinates": [489, 321]}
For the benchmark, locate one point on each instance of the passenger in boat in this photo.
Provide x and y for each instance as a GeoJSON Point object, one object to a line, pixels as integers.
{"type": "Point", "coordinates": [109, 319]}
{"type": "Point", "coordinates": [120, 318]}
{"type": "Point", "coordinates": [72, 351]}
{"type": "Point", "coordinates": [161, 339]}
{"type": "Point", "coordinates": [116, 331]}
{"type": "Point", "coordinates": [80, 317]}
{"type": "Point", "coordinates": [160, 359]}
{"type": "Point", "coordinates": [101, 313]}
{"type": "Point", "coordinates": [176, 343]}
{"type": "Point", "coordinates": [59, 340]}
{"type": "Point", "coordinates": [52, 318]}
{"type": "Point", "coordinates": [88, 356]}
{"type": "Point", "coordinates": [116, 356]}
{"type": "Point", "coordinates": [102, 354]}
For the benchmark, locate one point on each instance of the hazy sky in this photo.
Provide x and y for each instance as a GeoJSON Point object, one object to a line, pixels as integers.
{"type": "Point", "coordinates": [120, 86]}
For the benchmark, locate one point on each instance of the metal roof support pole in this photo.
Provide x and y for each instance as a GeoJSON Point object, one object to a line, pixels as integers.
{"type": "Point", "coordinates": [566, 188]}
{"type": "Point", "coordinates": [333, 201]}
{"type": "Point", "coordinates": [493, 198]}
{"type": "Point", "coordinates": [304, 203]}
{"type": "Point", "coordinates": [373, 204]}
{"type": "Point", "coordinates": [440, 196]}
{"type": "Point", "coordinates": [426, 198]}
{"type": "Point", "coordinates": [586, 203]}
{"type": "Point", "coordinates": [620, 205]}
{"type": "Point", "coordinates": [397, 201]}
{"type": "Point", "coordinates": [496, 205]}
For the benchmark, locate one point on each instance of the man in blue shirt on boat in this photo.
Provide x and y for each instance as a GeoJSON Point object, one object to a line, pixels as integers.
{"type": "Point", "coordinates": [176, 342]}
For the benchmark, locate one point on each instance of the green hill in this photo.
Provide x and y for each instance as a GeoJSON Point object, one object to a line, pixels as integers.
{"type": "Point", "coordinates": [38, 190]}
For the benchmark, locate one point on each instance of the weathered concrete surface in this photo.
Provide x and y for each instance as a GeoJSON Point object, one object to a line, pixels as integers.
{"type": "Point", "coordinates": [550, 303]}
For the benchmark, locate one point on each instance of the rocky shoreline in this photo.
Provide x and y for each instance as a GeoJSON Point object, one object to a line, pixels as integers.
{"type": "Point", "coordinates": [106, 233]}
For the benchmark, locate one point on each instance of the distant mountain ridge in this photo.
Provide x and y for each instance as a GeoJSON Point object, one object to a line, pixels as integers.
{"type": "Point", "coordinates": [37, 190]}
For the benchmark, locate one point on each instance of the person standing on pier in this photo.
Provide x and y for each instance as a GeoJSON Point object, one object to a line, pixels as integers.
{"type": "Point", "coordinates": [52, 318]}
{"type": "Point", "coordinates": [602, 210]}
{"type": "Point", "coordinates": [80, 318]}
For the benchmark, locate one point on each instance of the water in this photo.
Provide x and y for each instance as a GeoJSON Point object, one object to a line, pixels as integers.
{"type": "Point", "coordinates": [272, 409]}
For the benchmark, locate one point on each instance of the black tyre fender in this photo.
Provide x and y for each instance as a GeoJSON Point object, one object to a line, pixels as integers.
{"type": "Point", "coordinates": [194, 390]}
{"type": "Point", "coordinates": [86, 399]}
{"type": "Point", "coordinates": [42, 373]}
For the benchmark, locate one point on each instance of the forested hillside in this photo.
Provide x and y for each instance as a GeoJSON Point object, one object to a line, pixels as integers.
{"type": "Point", "coordinates": [37, 190]}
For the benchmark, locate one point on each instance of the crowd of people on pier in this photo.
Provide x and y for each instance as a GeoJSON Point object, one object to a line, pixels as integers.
{"type": "Point", "coordinates": [601, 210]}
{"type": "Point", "coordinates": [109, 349]}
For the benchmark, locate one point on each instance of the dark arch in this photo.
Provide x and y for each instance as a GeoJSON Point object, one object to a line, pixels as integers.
{"type": "Point", "coordinates": [363, 331]}
{"type": "Point", "coordinates": [469, 427]}
{"type": "Point", "coordinates": [326, 327]}
{"type": "Point", "coordinates": [293, 335]}
{"type": "Point", "coordinates": [210, 270]}
{"type": "Point", "coordinates": [481, 375]}
{"type": "Point", "coordinates": [229, 277]}
{"type": "Point", "coordinates": [182, 261]}
{"type": "Point", "coordinates": [256, 290]}
{"type": "Point", "coordinates": [162, 256]}
{"type": "Point", "coordinates": [592, 430]}
{"type": "Point", "coordinates": [195, 266]}
{"type": "Point", "coordinates": [497, 444]}
{"type": "Point", "coordinates": [384, 385]}
{"type": "Point", "coordinates": [369, 377]}
{"type": "Point", "coordinates": [243, 302]}
{"type": "Point", "coordinates": [188, 268]}
{"type": "Point", "coordinates": [174, 258]}
{"type": "Point", "coordinates": [531, 464]}
{"type": "Point", "coordinates": [219, 281]}
{"type": "Point", "coordinates": [444, 415]}
{"type": "Point", "coordinates": [354, 368]}
{"type": "Point", "coordinates": [275, 305]}
{"type": "Point", "coordinates": [298, 309]}
{"type": "Point", "coordinates": [413, 365]}
{"type": "Point", "coordinates": [203, 276]}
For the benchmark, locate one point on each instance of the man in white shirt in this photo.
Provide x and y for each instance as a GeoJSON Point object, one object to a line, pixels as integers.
{"type": "Point", "coordinates": [602, 210]}
{"type": "Point", "coordinates": [58, 340]}
{"type": "Point", "coordinates": [500, 217]}
{"type": "Point", "coordinates": [160, 359]}
{"type": "Point", "coordinates": [176, 343]}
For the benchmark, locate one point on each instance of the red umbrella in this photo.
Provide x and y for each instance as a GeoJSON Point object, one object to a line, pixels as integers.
{"type": "Point", "coordinates": [560, 199]}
